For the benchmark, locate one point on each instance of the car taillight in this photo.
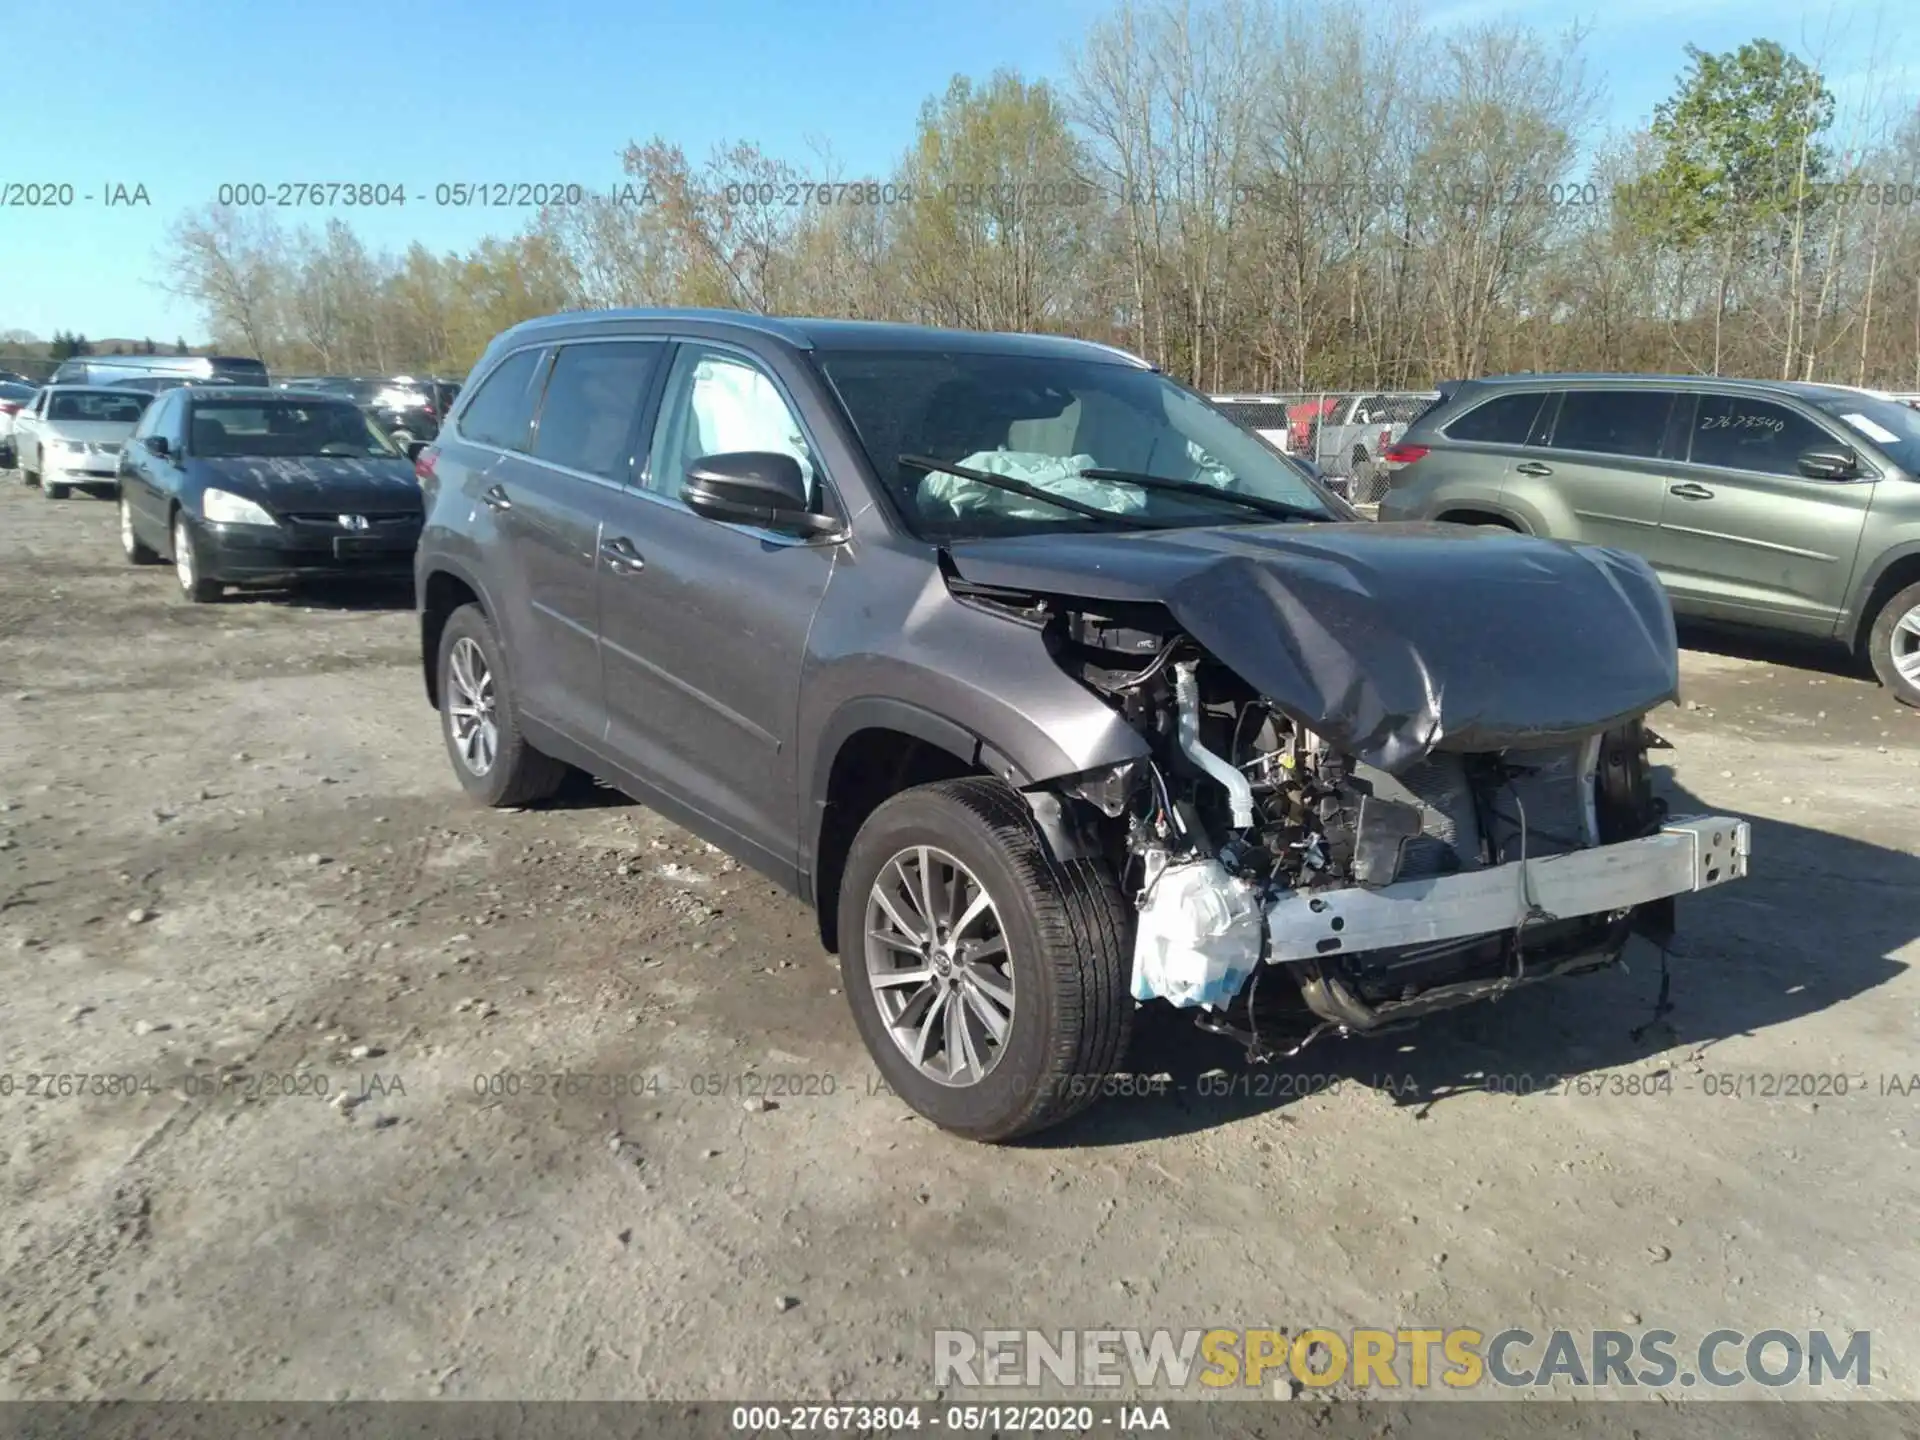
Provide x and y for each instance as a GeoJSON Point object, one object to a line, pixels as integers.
{"type": "Point", "coordinates": [9, 407]}
{"type": "Point", "coordinates": [423, 464]}
{"type": "Point", "coordinates": [1403, 454]}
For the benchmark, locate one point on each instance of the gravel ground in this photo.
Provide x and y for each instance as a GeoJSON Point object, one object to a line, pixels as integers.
{"type": "Point", "coordinates": [235, 867]}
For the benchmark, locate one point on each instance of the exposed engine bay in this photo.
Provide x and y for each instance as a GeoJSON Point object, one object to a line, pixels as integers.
{"type": "Point", "coordinates": [1249, 841]}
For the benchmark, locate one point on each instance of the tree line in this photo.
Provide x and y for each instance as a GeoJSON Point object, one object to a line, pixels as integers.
{"type": "Point", "coordinates": [1256, 194]}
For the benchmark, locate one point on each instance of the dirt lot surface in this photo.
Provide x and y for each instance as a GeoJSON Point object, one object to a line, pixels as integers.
{"type": "Point", "coordinates": [234, 864]}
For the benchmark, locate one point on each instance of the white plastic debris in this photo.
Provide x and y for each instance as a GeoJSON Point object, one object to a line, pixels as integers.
{"type": "Point", "coordinates": [1199, 936]}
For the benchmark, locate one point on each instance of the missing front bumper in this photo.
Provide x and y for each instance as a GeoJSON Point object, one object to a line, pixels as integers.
{"type": "Point", "coordinates": [1690, 854]}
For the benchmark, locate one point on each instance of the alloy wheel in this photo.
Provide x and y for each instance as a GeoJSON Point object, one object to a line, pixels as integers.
{"type": "Point", "coordinates": [470, 706]}
{"type": "Point", "coordinates": [938, 964]}
{"type": "Point", "coordinates": [183, 555]}
{"type": "Point", "coordinates": [127, 541]}
{"type": "Point", "coordinates": [1905, 643]}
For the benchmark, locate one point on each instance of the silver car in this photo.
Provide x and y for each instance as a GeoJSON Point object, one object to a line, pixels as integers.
{"type": "Point", "coordinates": [70, 435]}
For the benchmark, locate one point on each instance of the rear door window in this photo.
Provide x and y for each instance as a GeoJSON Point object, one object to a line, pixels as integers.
{"type": "Point", "coordinates": [1613, 422]}
{"type": "Point", "coordinates": [1738, 432]}
{"type": "Point", "coordinates": [593, 399]}
{"type": "Point", "coordinates": [501, 410]}
{"type": "Point", "coordinates": [1503, 420]}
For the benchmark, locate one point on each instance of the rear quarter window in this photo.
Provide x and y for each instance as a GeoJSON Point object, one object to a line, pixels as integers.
{"type": "Point", "coordinates": [1503, 420]}
{"type": "Point", "coordinates": [501, 410]}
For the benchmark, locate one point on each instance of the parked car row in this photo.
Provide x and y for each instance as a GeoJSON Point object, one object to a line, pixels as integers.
{"type": "Point", "coordinates": [409, 411]}
{"type": "Point", "coordinates": [235, 485]}
{"type": "Point", "coordinates": [1345, 437]}
{"type": "Point", "coordinates": [1787, 505]}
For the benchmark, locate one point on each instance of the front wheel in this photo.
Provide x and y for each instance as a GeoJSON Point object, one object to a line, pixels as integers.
{"type": "Point", "coordinates": [480, 719]}
{"type": "Point", "coordinates": [137, 551]}
{"type": "Point", "coordinates": [1894, 645]}
{"type": "Point", "coordinates": [987, 978]}
{"type": "Point", "coordinates": [53, 490]}
{"type": "Point", "coordinates": [187, 568]}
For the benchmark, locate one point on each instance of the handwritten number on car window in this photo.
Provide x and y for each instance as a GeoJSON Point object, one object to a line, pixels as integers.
{"type": "Point", "coordinates": [1773, 423]}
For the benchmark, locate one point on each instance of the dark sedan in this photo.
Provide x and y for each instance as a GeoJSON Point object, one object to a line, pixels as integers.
{"type": "Point", "coordinates": [262, 486]}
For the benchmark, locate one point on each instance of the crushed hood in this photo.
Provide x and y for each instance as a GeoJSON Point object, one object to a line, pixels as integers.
{"type": "Point", "coordinates": [1389, 640]}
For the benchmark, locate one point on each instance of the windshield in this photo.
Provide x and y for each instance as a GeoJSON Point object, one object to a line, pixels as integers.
{"type": "Point", "coordinates": [1043, 423]}
{"type": "Point", "coordinates": [109, 406]}
{"type": "Point", "coordinates": [1893, 428]}
{"type": "Point", "coordinates": [285, 428]}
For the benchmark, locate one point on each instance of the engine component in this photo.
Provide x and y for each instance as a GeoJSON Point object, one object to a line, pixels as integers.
{"type": "Point", "coordinates": [1186, 689]}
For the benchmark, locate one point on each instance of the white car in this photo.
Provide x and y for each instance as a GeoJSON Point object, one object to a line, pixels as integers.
{"type": "Point", "coordinates": [14, 397]}
{"type": "Point", "coordinates": [71, 435]}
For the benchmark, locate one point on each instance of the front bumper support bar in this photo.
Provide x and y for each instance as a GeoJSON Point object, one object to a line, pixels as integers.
{"type": "Point", "coordinates": [1688, 854]}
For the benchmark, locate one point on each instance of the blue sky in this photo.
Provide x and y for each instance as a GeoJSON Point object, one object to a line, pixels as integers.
{"type": "Point", "coordinates": [416, 92]}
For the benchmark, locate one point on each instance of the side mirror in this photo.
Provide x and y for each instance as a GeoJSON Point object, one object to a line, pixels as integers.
{"type": "Point", "coordinates": [158, 445]}
{"type": "Point", "coordinates": [754, 487]}
{"type": "Point", "coordinates": [1838, 463]}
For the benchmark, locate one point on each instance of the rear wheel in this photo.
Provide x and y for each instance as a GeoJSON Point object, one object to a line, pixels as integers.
{"type": "Point", "coordinates": [29, 477]}
{"type": "Point", "coordinates": [1893, 644]}
{"type": "Point", "coordinates": [988, 979]}
{"type": "Point", "coordinates": [187, 568]}
{"type": "Point", "coordinates": [479, 717]}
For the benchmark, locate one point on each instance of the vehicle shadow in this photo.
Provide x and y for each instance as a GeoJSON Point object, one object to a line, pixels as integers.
{"type": "Point", "coordinates": [1773, 648]}
{"type": "Point", "coordinates": [581, 791]}
{"type": "Point", "coordinates": [347, 594]}
{"type": "Point", "coordinates": [1808, 928]}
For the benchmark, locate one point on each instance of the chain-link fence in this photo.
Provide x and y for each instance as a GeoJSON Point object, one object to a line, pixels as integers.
{"type": "Point", "coordinates": [1346, 433]}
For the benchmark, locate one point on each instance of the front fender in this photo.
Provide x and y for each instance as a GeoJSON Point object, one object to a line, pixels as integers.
{"type": "Point", "coordinates": [979, 686]}
{"type": "Point", "coordinates": [1858, 616]}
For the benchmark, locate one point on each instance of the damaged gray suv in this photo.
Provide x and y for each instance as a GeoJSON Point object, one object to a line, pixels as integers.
{"type": "Point", "coordinates": [1052, 690]}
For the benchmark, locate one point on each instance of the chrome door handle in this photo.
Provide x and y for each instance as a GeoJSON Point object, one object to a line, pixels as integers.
{"type": "Point", "coordinates": [1690, 491]}
{"type": "Point", "coordinates": [1534, 467]}
{"type": "Point", "coordinates": [496, 499]}
{"type": "Point", "coordinates": [621, 556]}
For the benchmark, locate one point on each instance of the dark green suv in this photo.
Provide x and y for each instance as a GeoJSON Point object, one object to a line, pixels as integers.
{"type": "Point", "coordinates": [1771, 503]}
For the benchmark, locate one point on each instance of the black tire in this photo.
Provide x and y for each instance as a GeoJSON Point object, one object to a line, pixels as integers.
{"type": "Point", "coordinates": [1888, 642]}
{"type": "Point", "coordinates": [517, 774]}
{"type": "Point", "coordinates": [137, 551]}
{"type": "Point", "coordinates": [1068, 934]}
{"type": "Point", "coordinates": [195, 588]}
{"type": "Point", "coordinates": [54, 490]}
{"type": "Point", "coordinates": [29, 477]}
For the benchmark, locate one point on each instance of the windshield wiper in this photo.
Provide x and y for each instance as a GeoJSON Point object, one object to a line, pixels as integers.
{"type": "Point", "coordinates": [1278, 509]}
{"type": "Point", "coordinates": [1020, 487]}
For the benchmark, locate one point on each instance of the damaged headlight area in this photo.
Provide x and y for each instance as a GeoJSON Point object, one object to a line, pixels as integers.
{"type": "Point", "coordinates": [1249, 843]}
